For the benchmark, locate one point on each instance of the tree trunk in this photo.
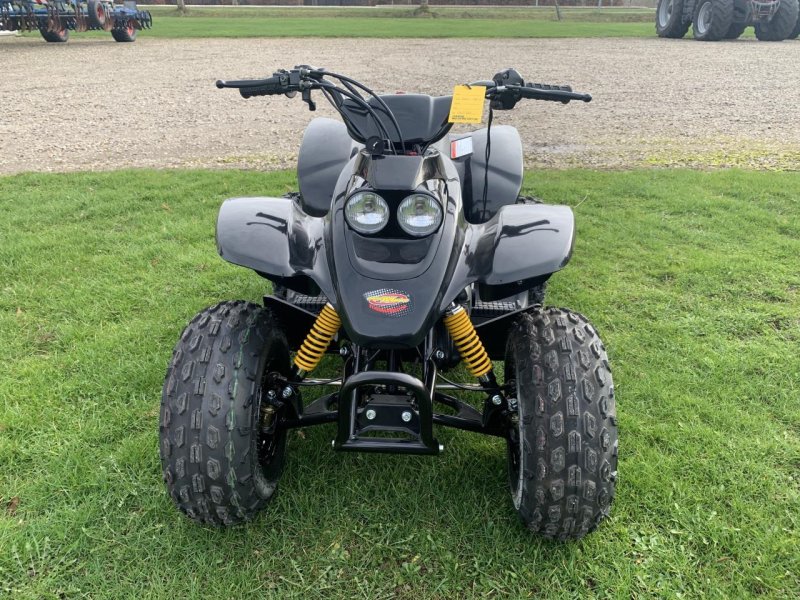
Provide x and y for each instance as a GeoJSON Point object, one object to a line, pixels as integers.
{"type": "Point", "coordinates": [182, 6]}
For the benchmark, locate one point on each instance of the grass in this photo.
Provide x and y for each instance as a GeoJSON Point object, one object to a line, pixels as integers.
{"type": "Point", "coordinates": [473, 22]}
{"type": "Point", "coordinates": [691, 278]}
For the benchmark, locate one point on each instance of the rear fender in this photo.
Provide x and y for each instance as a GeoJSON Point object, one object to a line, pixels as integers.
{"type": "Point", "coordinates": [274, 237]}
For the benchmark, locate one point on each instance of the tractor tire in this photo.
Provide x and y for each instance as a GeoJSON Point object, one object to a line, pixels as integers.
{"type": "Point", "coordinates": [55, 37]}
{"type": "Point", "coordinates": [96, 13]}
{"type": "Point", "coordinates": [782, 25]}
{"type": "Point", "coordinates": [562, 453]}
{"type": "Point", "coordinates": [124, 34]}
{"type": "Point", "coordinates": [220, 461]}
{"type": "Point", "coordinates": [669, 19]}
{"type": "Point", "coordinates": [796, 31]}
{"type": "Point", "coordinates": [735, 31]}
{"type": "Point", "coordinates": [712, 19]}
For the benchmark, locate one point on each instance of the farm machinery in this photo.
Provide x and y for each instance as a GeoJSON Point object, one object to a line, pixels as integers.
{"type": "Point", "coordinates": [713, 20]}
{"type": "Point", "coordinates": [56, 18]}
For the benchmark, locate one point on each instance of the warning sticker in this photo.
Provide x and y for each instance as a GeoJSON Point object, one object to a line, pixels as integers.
{"type": "Point", "coordinates": [467, 105]}
{"type": "Point", "coordinates": [462, 147]}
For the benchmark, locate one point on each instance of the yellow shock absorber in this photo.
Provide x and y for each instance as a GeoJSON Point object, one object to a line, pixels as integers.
{"type": "Point", "coordinates": [467, 341]}
{"type": "Point", "coordinates": [318, 339]}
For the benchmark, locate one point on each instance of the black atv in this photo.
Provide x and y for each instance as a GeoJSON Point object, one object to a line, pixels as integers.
{"type": "Point", "coordinates": [406, 252]}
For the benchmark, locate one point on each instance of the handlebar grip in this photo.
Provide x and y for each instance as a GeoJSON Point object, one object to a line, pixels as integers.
{"type": "Point", "coordinates": [545, 86]}
{"type": "Point", "coordinates": [553, 93]}
{"type": "Point", "coordinates": [257, 87]}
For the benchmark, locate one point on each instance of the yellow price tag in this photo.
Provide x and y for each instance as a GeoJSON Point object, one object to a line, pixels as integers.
{"type": "Point", "coordinates": [467, 106]}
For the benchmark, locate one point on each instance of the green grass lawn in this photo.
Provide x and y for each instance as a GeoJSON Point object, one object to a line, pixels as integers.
{"type": "Point", "coordinates": [692, 279]}
{"type": "Point", "coordinates": [473, 22]}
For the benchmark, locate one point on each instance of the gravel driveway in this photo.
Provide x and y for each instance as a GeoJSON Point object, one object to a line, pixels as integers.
{"type": "Point", "coordinates": [94, 104]}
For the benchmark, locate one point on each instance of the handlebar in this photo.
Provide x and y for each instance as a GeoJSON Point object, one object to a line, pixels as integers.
{"type": "Point", "coordinates": [504, 90]}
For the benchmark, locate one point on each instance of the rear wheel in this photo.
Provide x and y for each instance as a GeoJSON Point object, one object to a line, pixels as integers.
{"type": "Point", "coordinates": [562, 451]}
{"type": "Point", "coordinates": [222, 451]}
{"type": "Point", "coordinates": [55, 37]}
{"type": "Point", "coordinates": [712, 19]}
{"type": "Point", "coordinates": [669, 19]}
{"type": "Point", "coordinates": [782, 24]}
{"type": "Point", "coordinates": [124, 34]}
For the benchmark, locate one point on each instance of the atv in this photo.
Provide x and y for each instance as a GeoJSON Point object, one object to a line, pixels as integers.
{"type": "Point", "coordinates": [407, 252]}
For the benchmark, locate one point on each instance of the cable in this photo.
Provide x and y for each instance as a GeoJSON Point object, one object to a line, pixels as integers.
{"type": "Point", "coordinates": [345, 80]}
{"type": "Point", "coordinates": [359, 102]}
{"type": "Point", "coordinates": [488, 154]}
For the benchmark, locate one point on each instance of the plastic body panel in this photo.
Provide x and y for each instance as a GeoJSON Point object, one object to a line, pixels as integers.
{"type": "Point", "coordinates": [422, 119]}
{"type": "Point", "coordinates": [505, 171]}
{"type": "Point", "coordinates": [324, 151]}
{"type": "Point", "coordinates": [276, 238]}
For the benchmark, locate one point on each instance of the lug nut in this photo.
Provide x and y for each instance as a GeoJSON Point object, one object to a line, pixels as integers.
{"type": "Point", "coordinates": [497, 400]}
{"type": "Point", "coordinates": [287, 391]}
{"type": "Point", "coordinates": [439, 355]}
{"type": "Point", "coordinates": [344, 351]}
{"type": "Point", "coordinates": [406, 416]}
{"type": "Point", "coordinates": [370, 414]}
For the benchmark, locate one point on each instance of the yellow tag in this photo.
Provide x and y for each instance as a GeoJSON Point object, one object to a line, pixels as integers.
{"type": "Point", "coordinates": [467, 106]}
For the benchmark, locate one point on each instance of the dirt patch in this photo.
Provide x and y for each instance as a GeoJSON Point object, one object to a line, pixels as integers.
{"type": "Point", "coordinates": [94, 104]}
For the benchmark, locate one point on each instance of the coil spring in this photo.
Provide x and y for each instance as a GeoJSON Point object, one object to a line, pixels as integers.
{"type": "Point", "coordinates": [467, 342]}
{"type": "Point", "coordinates": [318, 339]}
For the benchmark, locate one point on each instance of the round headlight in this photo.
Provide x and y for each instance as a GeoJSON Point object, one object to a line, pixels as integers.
{"type": "Point", "coordinates": [419, 215]}
{"type": "Point", "coordinates": [366, 212]}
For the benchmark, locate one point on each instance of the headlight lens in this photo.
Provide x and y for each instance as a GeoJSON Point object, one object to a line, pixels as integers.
{"type": "Point", "coordinates": [419, 215]}
{"type": "Point", "coordinates": [366, 212]}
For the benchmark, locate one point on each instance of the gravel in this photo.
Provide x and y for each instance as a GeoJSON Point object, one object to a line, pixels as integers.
{"type": "Point", "coordinates": [92, 104]}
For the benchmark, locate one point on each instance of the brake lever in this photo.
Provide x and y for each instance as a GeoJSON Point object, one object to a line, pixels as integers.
{"type": "Point", "coordinates": [306, 96]}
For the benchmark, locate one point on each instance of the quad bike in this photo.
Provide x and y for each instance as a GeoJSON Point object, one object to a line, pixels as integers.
{"type": "Point", "coordinates": [713, 20]}
{"type": "Point", "coordinates": [406, 252]}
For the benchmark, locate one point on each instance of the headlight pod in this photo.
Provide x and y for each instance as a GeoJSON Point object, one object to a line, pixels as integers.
{"type": "Point", "coordinates": [419, 215]}
{"type": "Point", "coordinates": [366, 212]}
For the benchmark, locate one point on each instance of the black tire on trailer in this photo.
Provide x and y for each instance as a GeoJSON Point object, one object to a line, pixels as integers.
{"type": "Point", "coordinates": [782, 24]}
{"type": "Point", "coordinates": [669, 19]}
{"type": "Point", "coordinates": [735, 31]}
{"type": "Point", "coordinates": [222, 453]}
{"type": "Point", "coordinates": [96, 13]}
{"type": "Point", "coordinates": [127, 33]}
{"type": "Point", "coordinates": [55, 37]}
{"type": "Point", "coordinates": [562, 454]}
{"type": "Point", "coordinates": [712, 19]}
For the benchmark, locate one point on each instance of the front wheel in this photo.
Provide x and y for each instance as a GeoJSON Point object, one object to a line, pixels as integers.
{"type": "Point", "coordinates": [222, 451]}
{"type": "Point", "coordinates": [562, 444]}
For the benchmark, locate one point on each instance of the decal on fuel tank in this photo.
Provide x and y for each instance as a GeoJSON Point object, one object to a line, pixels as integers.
{"type": "Point", "coordinates": [389, 302]}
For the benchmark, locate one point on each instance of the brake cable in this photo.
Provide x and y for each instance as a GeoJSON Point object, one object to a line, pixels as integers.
{"type": "Point", "coordinates": [349, 80]}
{"type": "Point", "coordinates": [359, 101]}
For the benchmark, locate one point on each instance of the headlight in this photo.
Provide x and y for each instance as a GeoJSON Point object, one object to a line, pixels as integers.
{"type": "Point", "coordinates": [419, 215]}
{"type": "Point", "coordinates": [366, 212]}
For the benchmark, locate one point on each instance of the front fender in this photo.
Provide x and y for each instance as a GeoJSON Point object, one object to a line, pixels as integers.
{"type": "Point", "coordinates": [275, 238]}
{"type": "Point", "coordinates": [520, 244]}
